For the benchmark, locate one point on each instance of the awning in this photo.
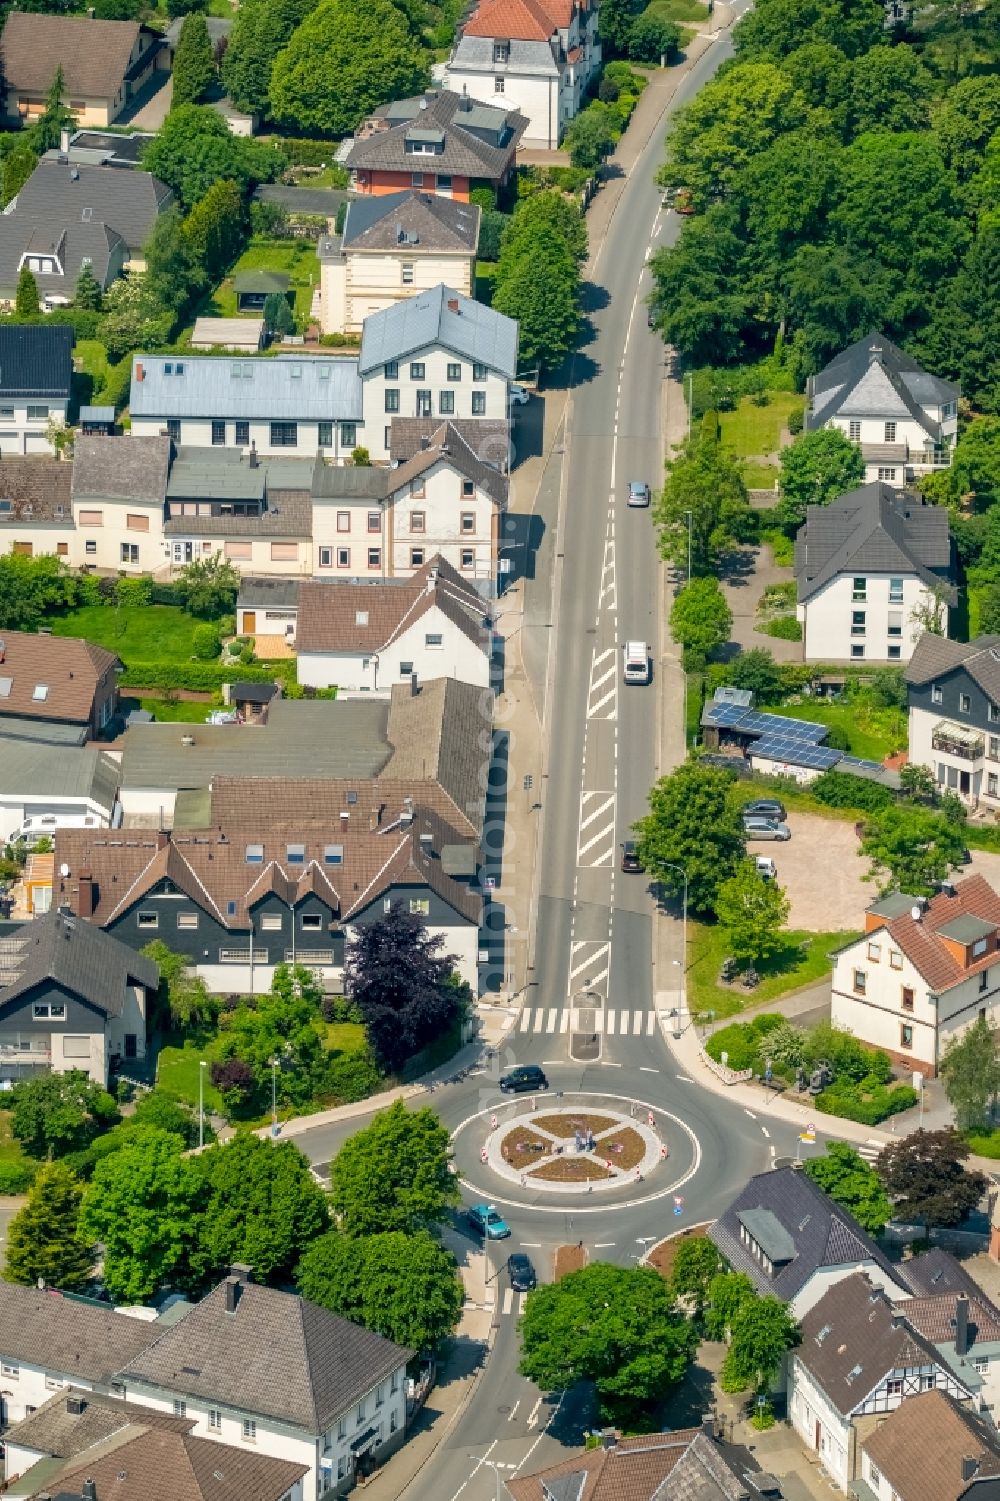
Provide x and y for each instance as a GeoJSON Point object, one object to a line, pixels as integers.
{"type": "Point", "coordinates": [365, 1441]}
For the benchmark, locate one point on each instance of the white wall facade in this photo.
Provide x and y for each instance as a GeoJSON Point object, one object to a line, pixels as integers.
{"type": "Point", "coordinates": [35, 815]}
{"type": "Point", "coordinates": [845, 622]}
{"type": "Point", "coordinates": [24, 425]}
{"type": "Point", "coordinates": [422, 386]}
{"type": "Point", "coordinates": [278, 557]}
{"type": "Point", "coordinates": [825, 1277]}
{"type": "Point", "coordinates": [197, 431]}
{"type": "Point", "coordinates": [112, 535]}
{"type": "Point", "coordinates": [24, 1386]}
{"type": "Point", "coordinates": [431, 647]}
{"type": "Point", "coordinates": [818, 1424]}
{"type": "Point", "coordinates": [361, 283]}
{"type": "Point", "coordinates": [975, 776]}
{"type": "Point", "coordinates": [546, 99]}
{"type": "Point", "coordinates": [879, 995]}
{"type": "Point", "coordinates": [907, 446]}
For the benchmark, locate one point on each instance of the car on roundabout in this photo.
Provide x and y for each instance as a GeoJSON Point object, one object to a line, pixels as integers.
{"type": "Point", "coordinates": [521, 1272]}
{"type": "Point", "coordinates": [527, 1076]}
{"type": "Point", "coordinates": [485, 1221]}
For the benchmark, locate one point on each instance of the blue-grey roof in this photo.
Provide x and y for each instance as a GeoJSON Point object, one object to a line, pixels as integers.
{"type": "Point", "coordinates": [306, 388]}
{"type": "Point", "coordinates": [441, 317]}
{"type": "Point", "coordinates": [97, 414]}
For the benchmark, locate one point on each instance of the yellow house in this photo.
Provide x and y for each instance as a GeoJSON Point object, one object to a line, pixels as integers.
{"type": "Point", "coordinates": [104, 64]}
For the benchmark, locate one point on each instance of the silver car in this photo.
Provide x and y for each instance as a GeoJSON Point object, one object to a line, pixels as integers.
{"type": "Point", "coordinates": [638, 493]}
{"type": "Point", "coordinates": [765, 828]}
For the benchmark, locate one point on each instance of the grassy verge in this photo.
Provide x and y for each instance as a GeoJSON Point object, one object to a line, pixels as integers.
{"type": "Point", "coordinates": [751, 430]}
{"type": "Point", "coordinates": [804, 958]}
{"type": "Point", "coordinates": [10, 1147]}
{"type": "Point", "coordinates": [677, 10]}
{"type": "Point", "coordinates": [144, 633]}
{"type": "Point", "coordinates": [871, 732]}
{"type": "Point", "coordinates": [177, 1071]}
{"type": "Point", "coordinates": [760, 476]}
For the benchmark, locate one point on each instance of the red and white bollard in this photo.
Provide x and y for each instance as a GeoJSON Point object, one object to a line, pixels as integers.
{"type": "Point", "coordinates": [483, 1155]}
{"type": "Point", "coordinates": [493, 1122]}
{"type": "Point", "coordinates": [651, 1119]}
{"type": "Point", "coordinates": [663, 1150]}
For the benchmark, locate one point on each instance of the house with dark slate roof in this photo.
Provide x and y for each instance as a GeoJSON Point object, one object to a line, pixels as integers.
{"type": "Point", "coordinates": [904, 419]}
{"type": "Point", "coordinates": [869, 568]}
{"type": "Point", "coordinates": [953, 696]}
{"type": "Point", "coordinates": [439, 142]}
{"type": "Point", "coordinates": [794, 1242]}
{"type": "Point", "coordinates": [858, 1359]}
{"type": "Point", "coordinates": [392, 247]}
{"type": "Point", "coordinates": [71, 997]}
{"type": "Point", "coordinates": [36, 372]}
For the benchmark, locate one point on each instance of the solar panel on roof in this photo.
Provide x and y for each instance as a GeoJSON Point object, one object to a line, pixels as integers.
{"type": "Point", "coordinates": [857, 763]}
{"type": "Point", "coordinates": [752, 722]}
{"type": "Point", "coordinates": [798, 752]}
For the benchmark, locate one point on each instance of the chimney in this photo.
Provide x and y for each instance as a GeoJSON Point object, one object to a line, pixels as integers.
{"type": "Point", "coordinates": [425, 442]}
{"type": "Point", "coordinates": [64, 141]}
{"type": "Point", "coordinates": [75, 1405]}
{"type": "Point", "coordinates": [88, 1490]}
{"type": "Point", "coordinates": [453, 305]}
{"type": "Point", "coordinates": [708, 1424]}
{"type": "Point", "coordinates": [254, 460]}
{"type": "Point", "coordinates": [414, 684]}
{"type": "Point", "coordinates": [961, 1326]}
{"type": "Point", "coordinates": [140, 374]}
{"type": "Point", "coordinates": [85, 899]}
{"type": "Point", "coordinates": [609, 1438]}
{"type": "Point", "coordinates": [969, 1466]}
{"type": "Point", "coordinates": [241, 1271]}
{"type": "Point", "coordinates": [234, 1288]}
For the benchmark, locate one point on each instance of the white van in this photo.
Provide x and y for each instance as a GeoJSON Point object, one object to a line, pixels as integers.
{"type": "Point", "coordinates": [636, 662]}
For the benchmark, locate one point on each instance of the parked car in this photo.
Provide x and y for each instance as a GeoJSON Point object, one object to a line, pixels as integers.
{"type": "Point", "coordinates": [765, 828]}
{"type": "Point", "coordinates": [484, 1219]}
{"type": "Point", "coordinates": [526, 1076]}
{"type": "Point", "coordinates": [517, 396]}
{"type": "Point", "coordinates": [766, 868]}
{"type": "Point", "coordinates": [636, 669]}
{"type": "Point", "coordinates": [638, 492]}
{"type": "Point", "coordinates": [522, 1273]}
{"type": "Point", "coordinates": [765, 807]}
{"type": "Point", "coordinates": [630, 857]}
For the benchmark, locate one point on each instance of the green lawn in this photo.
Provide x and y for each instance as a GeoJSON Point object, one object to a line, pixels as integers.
{"type": "Point", "coordinates": [177, 1071]}
{"type": "Point", "coordinates": [345, 1037]}
{"type": "Point", "coordinates": [760, 476]}
{"type": "Point", "coordinates": [295, 257]}
{"type": "Point", "coordinates": [183, 711]}
{"type": "Point", "coordinates": [10, 1147]}
{"type": "Point", "coordinates": [872, 733]}
{"type": "Point", "coordinates": [751, 430]}
{"type": "Point", "coordinates": [90, 359]}
{"type": "Point", "coordinates": [804, 959]}
{"type": "Point", "coordinates": [141, 633]}
{"type": "Point", "coordinates": [677, 10]}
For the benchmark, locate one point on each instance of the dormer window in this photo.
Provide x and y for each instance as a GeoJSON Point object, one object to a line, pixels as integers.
{"type": "Point", "coordinates": [501, 52]}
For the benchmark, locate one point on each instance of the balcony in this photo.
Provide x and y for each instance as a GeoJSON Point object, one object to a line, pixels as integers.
{"type": "Point", "coordinates": [20, 1052]}
{"type": "Point", "coordinates": [953, 740]}
{"type": "Point", "coordinates": [902, 453]}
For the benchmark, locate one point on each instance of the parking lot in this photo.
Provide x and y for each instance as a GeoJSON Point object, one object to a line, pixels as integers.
{"type": "Point", "coordinates": [823, 873]}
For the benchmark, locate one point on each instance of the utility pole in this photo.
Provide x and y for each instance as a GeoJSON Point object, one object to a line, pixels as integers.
{"type": "Point", "coordinates": [201, 1102]}
{"type": "Point", "coordinates": [690, 400]}
{"type": "Point", "coordinates": [684, 929]}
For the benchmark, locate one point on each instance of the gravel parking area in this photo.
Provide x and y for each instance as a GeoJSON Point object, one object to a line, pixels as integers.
{"type": "Point", "coordinates": [822, 873]}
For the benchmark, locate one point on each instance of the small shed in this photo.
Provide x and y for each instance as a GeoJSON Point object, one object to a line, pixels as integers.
{"type": "Point", "coordinates": [254, 287]}
{"type": "Point", "coordinates": [252, 700]}
{"type": "Point", "coordinates": [244, 335]}
{"type": "Point", "coordinates": [97, 421]}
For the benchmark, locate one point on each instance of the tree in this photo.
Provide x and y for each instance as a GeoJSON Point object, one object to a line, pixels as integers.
{"type": "Point", "coordinates": [58, 1113]}
{"type": "Point", "coordinates": [277, 314]}
{"type": "Point", "coordinates": [615, 20]}
{"type": "Point", "coordinates": [989, 610]}
{"type": "Point", "coordinates": [549, 209]}
{"type": "Point", "coordinates": [590, 138]}
{"type": "Point", "coordinates": [345, 58]}
{"type": "Point", "coordinates": [917, 784]}
{"type": "Point", "coordinates": [727, 1294]}
{"type": "Point", "coordinates": [173, 275]}
{"type": "Point", "coordinates": [260, 29]}
{"type": "Point", "coordinates": [891, 91]}
{"type": "Point", "coordinates": [704, 501]}
{"type": "Point", "coordinates": [394, 1175]}
{"type": "Point", "coordinates": [194, 148]}
{"type": "Point", "coordinates": [208, 587]}
{"type": "Point", "coordinates": [183, 996]}
{"type": "Point", "coordinates": [700, 621]}
{"type": "Point", "coordinates": [18, 164]}
{"type": "Point", "coordinates": [849, 1181]}
{"type": "Point", "coordinates": [753, 911]}
{"type": "Point", "coordinates": [541, 289]}
{"type": "Point", "coordinates": [971, 1069]}
{"type": "Point", "coordinates": [87, 293]}
{"type": "Point", "coordinates": [776, 27]}
{"type": "Point", "coordinates": [815, 469]}
{"type": "Point", "coordinates": [399, 980]}
{"type": "Point", "coordinates": [693, 823]}
{"type": "Point", "coordinates": [930, 613]}
{"type": "Point", "coordinates": [762, 1330]}
{"type": "Point", "coordinates": [132, 316]}
{"type": "Point", "coordinates": [968, 118]}
{"type": "Point", "coordinates": [46, 133]}
{"type": "Point", "coordinates": [164, 1112]}
{"type": "Point", "coordinates": [31, 589]}
{"type": "Point", "coordinates": [757, 672]}
{"type": "Point", "coordinates": [26, 299]}
{"type": "Point", "coordinates": [143, 1205]}
{"type": "Point", "coordinates": [262, 1207]}
{"type": "Point", "coordinates": [404, 1287]}
{"type": "Point", "coordinates": [44, 1240]}
{"type": "Point", "coordinates": [652, 37]}
{"type": "Point", "coordinates": [702, 307]}
{"type": "Point", "coordinates": [925, 1178]}
{"type": "Point", "coordinates": [695, 1264]}
{"type": "Point", "coordinates": [215, 228]}
{"type": "Point", "coordinates": [913, 848]}
{"type": "Point", "coordinates": [614, 1326]}
{"type": "Point", "coordinates": [975, 471]}
{"type": "Point", "coordinates": [194, 64]}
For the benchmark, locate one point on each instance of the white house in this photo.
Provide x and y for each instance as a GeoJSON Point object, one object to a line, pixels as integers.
{"type": "Point", "coordinates": [36, 371]}
{"type": "Point", "coordinates": [364, 637]}
{"type": "Point", "coordinates": [394, 246]}
{"type": "Point", "coordinates": [954, 715]}
{"type": "Point", "coordinates": [921, 973]}
{"type": "Point", "coordinates": [45, 787]}
{"type": "Point", "coordinates": [904, 419]}
{"type": "Point", "coordinates": [857, 1360]}
{"type": "Point", "coordinates": [538, 55]}
{"type": "Point", "coordinates": [871, 568]}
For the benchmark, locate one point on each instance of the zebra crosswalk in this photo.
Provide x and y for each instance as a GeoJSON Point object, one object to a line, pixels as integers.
{"type": "Point", "coordinates": [540, 1021]}
{"type": "Point", "coordinates": [870, 1149]}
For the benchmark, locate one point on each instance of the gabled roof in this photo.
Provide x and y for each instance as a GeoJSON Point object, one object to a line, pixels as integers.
{"type": "Point", "coordinates": [35, 359]}
{"type": "Point", "coordinates": [146, 1459]}
{"type": "Point", "coordinates": [120, 468]}
{"type": "Point", "coordinates": [925, 942]}
{"type": "Point", "coordinates": [54, 1429]}
{"type": "Point", "coordinates": [528, 20]}
{"type": "Point", "coordinates": [538, 59]}
{"type": "Point", "coordinates": [936, 656]}
{"type": "Point", "coordinates": [50, 677]}
{"type": "Point", "coordinates": [304, 388]}
{"type": "Point", "coordinates": [72, 193]}
{"type": "Point", "coordinates": [852, 1339]}
{"type": "Point", "coordinates": [442, 318]}
{"type": "Point", "coordinates": [488, 438]}
{"type": "Point", "coordinates": [685, 1465]}
{"type": "Point", "coordinates": [57, 771]}
{"type": "Point", "coordinates": [285, 801]}
{"type": "Point", "coordinates": [61, 1334]}
{"type": "Point", "coordinates": [94, 55]}
{"type": "Point", "coordinates": [823, 1233]}
{"type": "Point", "coordinates": [338, 616]}
{"type": "Point", "coordinates": [875, 378]}
{"type": "Point", "coordinates": [75, 955]}
{"type": "Point", "coordinates": [413, 223]}
{"type": "Point", "coordinates": [921, 1449]}
{"type": "Point", "coordinates": [35, 490]}
{"type": "Point", "coordinates": [477, 140]}
{"type": "Point", "coordinates": [437, 733]}
{"type": "Point", "coordinates": [276, 1356]}
{"type": "Point", "coordinates": [68, 244]}
{"type": "Point", "coordinates": [875, 529]}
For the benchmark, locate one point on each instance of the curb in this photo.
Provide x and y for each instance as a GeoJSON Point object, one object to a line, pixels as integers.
{"type": "Point", "coordinates": [459, 1412]}
{"type": "Point", "coordinates": [675, 1235]}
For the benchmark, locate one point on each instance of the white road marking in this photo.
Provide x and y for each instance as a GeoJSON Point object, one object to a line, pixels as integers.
{"type": "Point", "coordinates": [608, 802]}
{"type": "Point", "coordinates": [610, 1025]}
{"type": "Point", "coordinates": [644, 1068]}
{"type": "Point", "coordinates": [686, 1077]}
{"type": "Point", "coordinates": [766, 1132]}
{"type": "Point", "coordinates": [749, 1113]}
{"type": "Point", "coordinates": [636, 1023]}
{"type": "Point", "coordinates": [550, 1025]}
{"type": "Point", "coordinates": [651, 1026]}
{"type": "Point", "coordinates": [510, 1415]}
{"type": "Point", "coordinates": [508, 1303]}
{"type": "Point", "coordinates": [603, 1245]}
{"type": "Point", "coordinates": [564, 1021]}
{"type": "Point", "coordinates": [525, 1022]}
{"type": "Point", "coordinates": [594, 710]}
{"type": "Point", "coordinates": [533, 1415]}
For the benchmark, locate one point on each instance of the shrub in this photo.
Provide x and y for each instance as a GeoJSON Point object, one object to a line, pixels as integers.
{"type": "Point", "coordinates": [785, 627]}
{"type": "Point", "coordinates": [348, 1077]}
{"type": "Point", "coordinates": [16, 1177]}
{"type": "Point", "coordinates": [117, 386]}
{"type": "Point", "coordinates": [868, 1105]}
{"type": "Point", "coordinates": [837, 738]}
{"type": "Point", "coordinates": [132, 593]}
{"type": "Point", "coordinates": [206, 642]}
{"type": "Point", "coordinates": [361, 458]}
{"type": "Point", "coordinates": [485, 197]}
{"type": "Point", "coordinates": [201, 677]}
{"type": "Point", "coordinates": [838, 789]}
{"type": "Point", "coordinates": [737, 1042]}
{"type": "Point", "coordinates": [608, 90]}
{"type": "Point", "coordinates": [265, 218]}
{"type": "Point", "coordinates": [796, 421]}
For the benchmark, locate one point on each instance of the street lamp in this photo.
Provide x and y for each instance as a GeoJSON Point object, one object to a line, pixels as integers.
{"type": "Point", "coordinates": [684, 932]}
{"type": "Point", "coordinates": [275, 1065]}
{"type": "Point", "coordinates": [690, 521]}
{"type": "Point", "coordinates": [201, 1101]}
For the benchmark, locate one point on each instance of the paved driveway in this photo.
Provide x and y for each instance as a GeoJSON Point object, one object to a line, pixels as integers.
{"type": "Point", "coordinates": [743, 587]}
{"type": "Point", "coordinates": [822, 873]}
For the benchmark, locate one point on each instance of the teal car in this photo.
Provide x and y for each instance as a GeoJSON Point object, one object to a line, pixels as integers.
{"type": "Point", "coordinates": [486, 1222]}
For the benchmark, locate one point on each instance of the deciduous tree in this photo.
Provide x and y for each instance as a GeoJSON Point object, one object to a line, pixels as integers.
{"type": "Point", "coordinates": [926, 1180]}
{"type": "Point", "coordinates": [58, 1113]}
{"type": "Point", "coordinates": [394, 1174]}
{"type": "Point", "coordinates": [184, 997]}
{"type": "Point", "coordinates": [541, 289]}
{"type": "Point", "coordinates": [704, 493]}
{"type": "Point", "coordinates": [727, 1293]}
{"type": "Point", "coordinates": [404, 1287]}
{"type": "Point", "coordinates": [194, 148]}
{"type": "Point", "coordinates": [753, 911]}
{"type": "Point", "coordinates": [615, 20]}
{"type": "Point", "coordinates": [31, 589]}
{"type": "Point", "coordinates": [815, 469]}
{"type": "Point", "coordinates": [194, 64]}
{"type": "Point", "coordinates": [912, 848]}
{"type": "Point", "coordinates": [971, 1069]}
{"type": "Point", "coordinates": [208, 587]}
{"type": "Point", "coordinates": [693, 823]}
{"type": "Point", "coordinates": [761, 1331]}
{"type": "Point", "coordinates": [261, 29]}
{"type": "Point", "coordinates": [590, 139]}
{"type": "Point", "coordinates": [696, 1262]}
{"type": "Point", "coordinates": [757, 672]}
{"type": "Point", "coordinates": [653, 37]}
{"type": "Point", "coordinates": [400, 981]}
{"type": "Point", "coordinates": [700, 620]}
{"type": "Point", "coordinates": [848, 1179]}
{"type": "Point", "coordinates": [44, 1240]}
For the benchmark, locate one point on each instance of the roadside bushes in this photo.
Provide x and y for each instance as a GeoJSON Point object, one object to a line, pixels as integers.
{"type": "Point", "coordinates": [17, 1177]}
{"type": "Point", "coordinates": [867, 1102]}
{"type": "Point", "coordinates": [742, 1041]}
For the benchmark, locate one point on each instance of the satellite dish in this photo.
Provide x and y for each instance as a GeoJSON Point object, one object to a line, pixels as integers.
{"type": "Point", "coordinates": [64, 870]}
{"type": "Point", "coordinates": [916, 912]}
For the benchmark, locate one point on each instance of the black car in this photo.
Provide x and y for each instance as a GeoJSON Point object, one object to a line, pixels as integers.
{"type": "Point", "coordinates": [521, 1271]}
{"type": "Point", "coordinates": [765, 807]}
{"type": "Point", "coordinates": [527, 1076]}
{"type": "Point", "coordinates": [630, 856]}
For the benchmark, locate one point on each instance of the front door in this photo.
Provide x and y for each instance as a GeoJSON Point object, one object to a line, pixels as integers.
{"type": "Point", "coordinates": [130, 1048]}
{"type": "Point", "coordinates": [964, 783]}
{"type": "Point", "coordinates": [183, 553]}
{"type": "Point", "coordinates": [819, 1438]}
{"type": "Point", "coordinates": [249, 622]}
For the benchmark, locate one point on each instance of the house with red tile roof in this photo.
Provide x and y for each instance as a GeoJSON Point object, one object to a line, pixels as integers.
{"type": "Point", "coordinates": [922, 972]}
{"type": "Point", "coordinates": [537, 55]}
